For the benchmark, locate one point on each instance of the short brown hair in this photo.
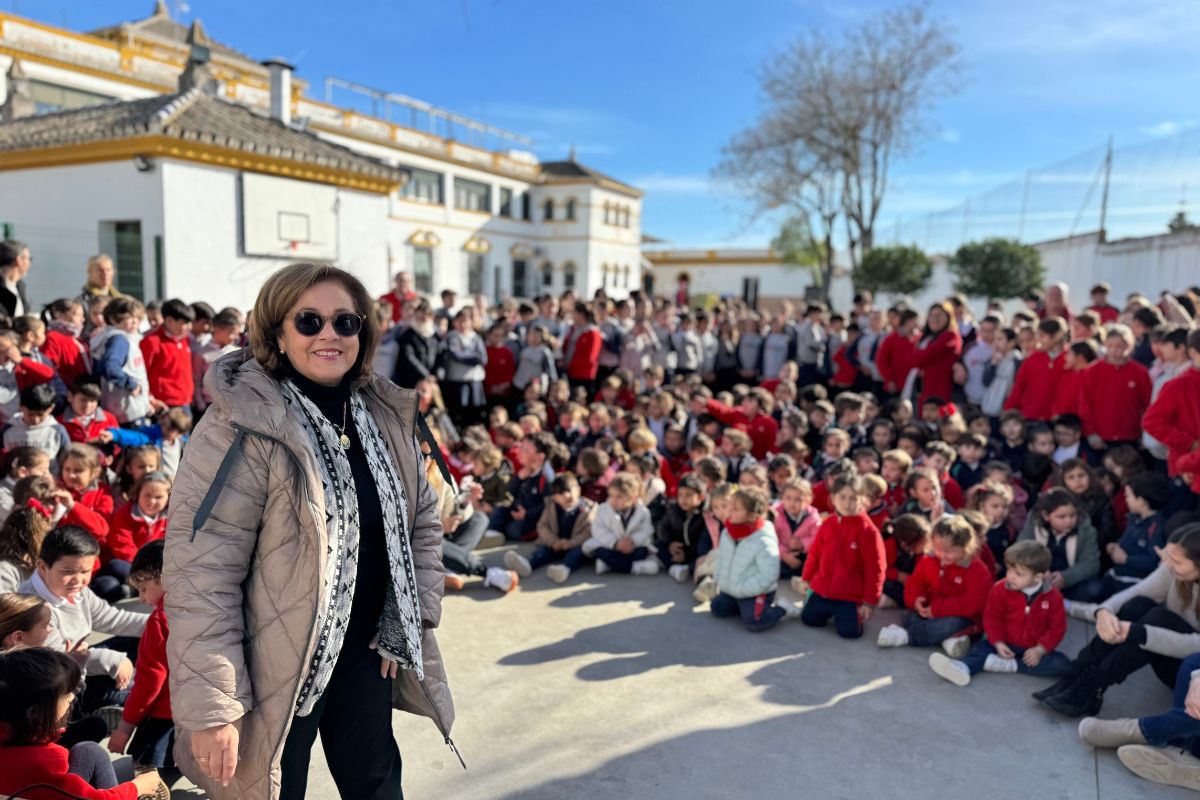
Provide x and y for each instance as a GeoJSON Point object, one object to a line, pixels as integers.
{"type": "Point", "coordinates": [959, 532]}
{"type": "Point", "coordinates": [282, 291]}
{"type": "Point", "coordinates": [627, 484]}
{"type": "Point", "coordinates": [753, 500]}
{"type": "Point", "coordinates": [1032, 555]}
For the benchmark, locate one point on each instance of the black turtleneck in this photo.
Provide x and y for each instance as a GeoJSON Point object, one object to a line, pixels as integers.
{"type": "Point", "coordinates": [370, 589]}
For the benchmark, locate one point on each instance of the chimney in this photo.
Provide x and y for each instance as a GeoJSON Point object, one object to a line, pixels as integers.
{"type": "Point", "coordinates": [17, 101]}
{"type": "Point", "coordinates": [198, 73]}
{"type": "Point", "coordinates": [281, 89]}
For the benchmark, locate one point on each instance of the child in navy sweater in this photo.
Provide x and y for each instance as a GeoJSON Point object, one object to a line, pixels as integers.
{"type": "Point", "coordinates": [1135, 555]}
{"type": "Point", "coordinates": [1024, 622]}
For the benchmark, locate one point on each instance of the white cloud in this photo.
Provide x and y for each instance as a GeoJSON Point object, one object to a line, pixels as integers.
{"type": "Point", "coordinates": [1170, 127]}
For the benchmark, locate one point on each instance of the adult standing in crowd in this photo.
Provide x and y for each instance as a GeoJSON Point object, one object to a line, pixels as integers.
{"type": "Point", "coordinates": [15, 262]}
{"type": "Point", "coordinates": [303, 451]}
{"type": "Point", "coordinates": [419, 348]}
{"type": "Point", "coordinates": [402, 292]}
{"type": "Point", "coordinates": [939, 349]}
{"type": "Point", "coordinates": [101, 277]}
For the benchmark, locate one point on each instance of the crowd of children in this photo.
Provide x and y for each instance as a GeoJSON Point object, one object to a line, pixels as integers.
{"type": "Point", "coordinates": [985, 477]}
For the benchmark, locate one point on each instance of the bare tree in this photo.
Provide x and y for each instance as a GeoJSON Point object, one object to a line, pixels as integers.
{"type": "Point", "coordinates": [838, 111]}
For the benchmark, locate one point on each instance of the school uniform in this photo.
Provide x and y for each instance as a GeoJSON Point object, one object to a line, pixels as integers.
{"type": "Point", "coordinates": [1036, 384]}
{"type": "Point", "coordinates": [956, 596]}
{"type": "Point", "coordinates": [1023, 619]}
{"type": "Point", "coordinates": [845, 569]}
{"type": "Point", "coordinates": [1113, 400]}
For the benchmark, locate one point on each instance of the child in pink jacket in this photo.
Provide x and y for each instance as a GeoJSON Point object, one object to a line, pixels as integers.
{"type": "Point", "coordinates": [796, 523]}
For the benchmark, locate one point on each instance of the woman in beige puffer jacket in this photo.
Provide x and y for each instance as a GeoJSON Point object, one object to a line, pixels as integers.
{"type": "Point", "coordinates": [244, 567]}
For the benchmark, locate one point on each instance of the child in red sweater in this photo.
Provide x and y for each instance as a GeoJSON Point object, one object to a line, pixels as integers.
{"type": "Point", "coordinates": [143, 519]}
{"type": "Point", "coordinates": [940, 456]}
{"type": "Point", "coordinates": [753, 415]}
{"type": "Point", "coordinates": [148, 708]}
{"type": "Point", "coordinates": [905, 540]}
{"type": "Point", "coordinates": [37, 689]}
{"type": "Point", "coordinates": [1037, 379]}
{"type": "Point", "coordinates": [1114, 393]}
{"type": "Point", "coordinates": [169, 357]}
{"type": "Point", "coordinates": [1024, 622]}
{"type": "Point", "coordinates": [947, 592]}
{"type": "Point", "coordinates": [845, 565]}
{"type": "Point", "coordinates": [501, 366]}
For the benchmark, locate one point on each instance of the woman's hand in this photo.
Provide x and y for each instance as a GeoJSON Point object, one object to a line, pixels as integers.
{"type": "Point", "coordinates": [387, 667]}
{"type": "Point", "coordinates": [1192, 704]}
{"type": "Point", "coordinates": [216, 751]}
{"type": "Point", "coordinates": [1108, 627]}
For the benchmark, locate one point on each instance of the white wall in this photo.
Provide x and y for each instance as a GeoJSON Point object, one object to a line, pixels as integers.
{"type": "Point", "coordinates": [58, 212]}
{"type": "Point", "coordinates": [1146, 265]}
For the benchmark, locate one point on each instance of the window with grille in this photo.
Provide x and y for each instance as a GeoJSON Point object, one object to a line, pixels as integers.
{"type": "Point", "coordinates": [423, 270]}
{"type": "Point", "coordinates": [472, 195]}
{"type": "Point", "coordinates": [475, 268]}
{"type": "Point", "coordinates": [424, 186]}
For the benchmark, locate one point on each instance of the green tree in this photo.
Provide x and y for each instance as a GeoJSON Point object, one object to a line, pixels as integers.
{"type": "Point", "coordinates": [902, 269]}
{"type": "Point", "coordinates": [797, 247]}
{"type": "Point", "coordinates": [998, 269]}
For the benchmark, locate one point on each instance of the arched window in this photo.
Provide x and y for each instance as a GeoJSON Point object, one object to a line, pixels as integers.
{"type": "Point", "coordinates": [569, 275]}
{"type": "Point", "coordinates": [547, 275]}
{"type": "Point", "coordinates": [571, 209]}
{"type": "Point", "coordinates": [625, 275]}
{"type": "Point", "coordinates": [548, 211]}
{"type": "Point", "coordinates": [607, 213]}
{"type": "Point", "coordinates": [625, 217]}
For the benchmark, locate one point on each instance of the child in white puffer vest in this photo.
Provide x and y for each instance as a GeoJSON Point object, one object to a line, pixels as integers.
{"type": "Point", "coordinates": [747, 570]}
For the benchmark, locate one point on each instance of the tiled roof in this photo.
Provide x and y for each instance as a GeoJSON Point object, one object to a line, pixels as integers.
{"type": "Point", "coordinates": [159, 25]}
{"type": "Point", "coordinates": [194, 116]}
{"type": "Point", "coordinates": [572, 170]}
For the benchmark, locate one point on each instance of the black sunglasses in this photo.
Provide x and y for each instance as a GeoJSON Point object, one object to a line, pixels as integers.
{"type": "Point", "coordinates": [310, 323]}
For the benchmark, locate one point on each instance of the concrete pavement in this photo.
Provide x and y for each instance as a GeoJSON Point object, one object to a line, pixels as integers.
{"type": "Point", "coordinates": [619, 687]}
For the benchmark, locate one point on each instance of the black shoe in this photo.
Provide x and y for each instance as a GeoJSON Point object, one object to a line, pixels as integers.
{"type": "Point", "coordinates": [1083, 699]}
{"type": "Point", "coordinates": [1059, 687]}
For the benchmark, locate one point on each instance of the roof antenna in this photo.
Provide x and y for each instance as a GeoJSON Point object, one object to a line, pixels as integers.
{"type": "Point", "coordinates": [571, 156]}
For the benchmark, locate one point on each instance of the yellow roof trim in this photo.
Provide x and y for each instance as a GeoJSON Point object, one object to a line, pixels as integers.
{"type": "Point", "coordinates": [213, 155]}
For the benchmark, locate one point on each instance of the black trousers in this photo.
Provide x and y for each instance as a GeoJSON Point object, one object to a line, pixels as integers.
{"type": "Point", "coordinates": [354, 718]}
{"type": "Point", "coordinates": [1113, 663]}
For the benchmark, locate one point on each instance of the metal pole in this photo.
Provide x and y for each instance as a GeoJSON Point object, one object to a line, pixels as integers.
{"type": "Point", "coordinates": [1024, 207]}
{"type": "Point", "coordinates": [1108, 159]}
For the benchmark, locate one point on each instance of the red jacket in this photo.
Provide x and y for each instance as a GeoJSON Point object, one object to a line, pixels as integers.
{"type": "Point", "coordinates": [1107, 314]}
{"type": "Point", "coordinates": [396, 302]}
{"type": "Point", "coordinates": [169, 368]}
{"type": "Point", "coordinates": [952, 591]}
{"type": "Point", "coordinates": [1035, 385]}
{"type": "Point", "coordinates": [47, 763]}
{"type": "Point", "coordinates": [1113, 400]}
{"type": "Point", "coordinates": [67, 354]}
{"type": "Point", "coordinates": [150, 696]}
{"type": "Point", "coordinates": [763, 429]}
{"type": "Point", "coordinates": [951, 491]}
{"type": "Point", "coordinates": [30, 373]}
{"type": "Point", "coordinates": [936, 362]}
{"type": "Point", "coordinates": [585, 359]}
{"type": "Point", "coordinates": [127, 532]}
{"type": "Point", "coordinates": [91, 511]}
{"type": "Point", "coordinates": [1066, 399]}
{"type": "Point", "coordinates": [846, 560]}
{"type": "Point", "coordinates": [845, 371]}
{"type": "Point", "coordinates": [1174, 418]}
{"type": "Point", "coordinates": [1013, 618]}
{"type": "Point", "coordinates": [100, 422]}
{"type": "Point", "coordinates": [894, 359]}
{"type": "Point", "coordinates": [501, 367]}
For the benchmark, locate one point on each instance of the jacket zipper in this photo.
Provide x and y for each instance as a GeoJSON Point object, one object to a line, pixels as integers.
{"type": "Point", "coordinates": [441, 724]}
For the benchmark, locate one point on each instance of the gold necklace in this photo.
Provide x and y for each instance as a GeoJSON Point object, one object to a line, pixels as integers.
{"type": "Point", "coordinates": [344, 439]}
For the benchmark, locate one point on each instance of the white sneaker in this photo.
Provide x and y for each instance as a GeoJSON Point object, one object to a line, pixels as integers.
{"type": "Point", "coordinates": [1079, 610]}
{"type": "Point", "coordinates": [790, 609]}
{"type": "Point", "coordinates": [798, 585]}
{"type": "Point", "coordinates": [886, 602]}
{"type": "Point", "coordinates": [601, 567]}
{"type": "Point", "coordinates": [518, 563]}
{"type": "Point", "coordinates": [893, 636]}
{"type": "Point", "coordinates": [503, 579]}
{"type": "Point", "coordinates": [705, 591]}
{"type": "Point", "coordinates": [957, 646]}
{"type": "Point", "coordinates": [679, 572]}
{"type": "Point", "coordinates": [996, 663]}
{"type": "Point", "coordinates": [951, 669]}
{"type": "Point", "coordinates": [558, 573]}
{"type": "Point", "coordinates": [647, 566]}
{"type": "Point", "coordinates": [492, 538]}
{"type": "Point", "coordinates": [1168, 765]}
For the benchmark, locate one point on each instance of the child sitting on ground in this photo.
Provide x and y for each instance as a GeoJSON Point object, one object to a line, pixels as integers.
{"type": "Point", "coordinates": [622, 536]}
{"type": "Point", "coordinates": [1075, 556]}
{"type": "Point", "coordinates": [905, 540]}
{"type": "Point", "coordinates": [993, 501]}
{"type": "Point", "coordinates": [747, 568]}
{"type": "Point", "coordinates": [563, 528]}
{"type": "Point", "coordinates": [518, 522]}
{"type": "Point", "coordinates": [1023, 622]}
{"type": "Point", "coordinates": [64, 570]}
{"type": "Point", "coordinates": [946, 593]}
{"type": "Point", "coordinates": [148, 707]}
{"type": "Point", "coordinates": [36, 426]}
{"type": "Point", "coordinates": [143, 519]}
{"type": "Point", "coordinates": [796, 524]}
{"type": "Point", "coordinates": [682, 534]}
{"type": "Point", "coordinates": [874, 491]}
{"type": "Point", "coordinates": [925, 495]}
{"type": "Point", "coordinates": [845, 565]}
{"type": "Point", "coordinates": [894, 468]}
{"type": "Point", "coordinates": [720, 501]}
{"type": "Point", "coordinates": [37, 688]}
{"type": "Point", "coordinates": [20, 462]}
{"type": "Point", "coordinates": [1135, 555]}
{"type": "Point", "coordinates": [21, 539]}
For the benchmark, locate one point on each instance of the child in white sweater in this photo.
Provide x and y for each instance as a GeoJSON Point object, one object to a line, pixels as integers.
{"type": "Point", "coordinates": [622, 534]}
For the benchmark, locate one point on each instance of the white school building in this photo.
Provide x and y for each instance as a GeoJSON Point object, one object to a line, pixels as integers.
{"type": "Point", "coordinates": [202, 170]}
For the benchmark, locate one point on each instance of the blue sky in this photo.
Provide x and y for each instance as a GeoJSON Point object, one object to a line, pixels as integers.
{"type": "Point", "coordinates": [649, 90]}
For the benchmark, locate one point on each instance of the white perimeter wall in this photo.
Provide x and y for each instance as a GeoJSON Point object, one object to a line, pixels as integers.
{"type": "Point", "coordinates": [58, 212]}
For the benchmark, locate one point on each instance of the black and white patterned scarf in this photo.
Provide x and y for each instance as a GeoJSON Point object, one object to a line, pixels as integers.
{"type": "Point", "coordinates": [400, 624]}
